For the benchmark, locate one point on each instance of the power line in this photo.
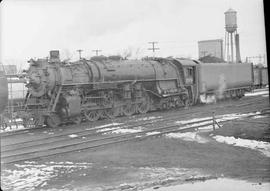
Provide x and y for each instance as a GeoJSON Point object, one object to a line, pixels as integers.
{"type": "Point", "coordinates": [153, 47]}
{"type": "Point", "coordinates": [96, 51]}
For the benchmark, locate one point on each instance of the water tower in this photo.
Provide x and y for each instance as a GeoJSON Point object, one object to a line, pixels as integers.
{"type": "Point", "coordinates": [231, 36]}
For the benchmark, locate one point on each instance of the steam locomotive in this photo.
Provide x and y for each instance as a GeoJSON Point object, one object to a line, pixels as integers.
{"type": "Point", "coordinates": [106, 87]}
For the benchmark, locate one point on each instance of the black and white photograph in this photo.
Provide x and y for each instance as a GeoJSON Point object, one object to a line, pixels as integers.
{"type": "Point", "coordinates": [134, 95]}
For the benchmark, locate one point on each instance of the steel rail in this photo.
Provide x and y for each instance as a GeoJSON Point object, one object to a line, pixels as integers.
{"type": "Point", "coordinates": [54, 150]}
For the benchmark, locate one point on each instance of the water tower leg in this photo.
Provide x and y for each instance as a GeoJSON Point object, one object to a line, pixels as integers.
{"type": "Point", "coordinates": [232, 46]}
{"type": "Point", "coordinates": [225, 45]}
{"type": "Point", "coordinates": [228, 47]}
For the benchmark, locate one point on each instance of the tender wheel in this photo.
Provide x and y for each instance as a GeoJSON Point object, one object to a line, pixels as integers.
{"type": "Point", "coordinates": [53, 121]}
{"type": "Point", "coordinates": [129, 109]}
{"type": "Point", "coordinates": [93, 115]}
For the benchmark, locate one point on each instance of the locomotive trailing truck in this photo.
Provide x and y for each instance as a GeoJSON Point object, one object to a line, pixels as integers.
{"type": "Point", "coordinates": [106, 87]}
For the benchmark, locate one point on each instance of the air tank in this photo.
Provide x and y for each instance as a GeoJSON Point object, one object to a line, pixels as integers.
{"type": "Point", "coordinates": [230, 21]}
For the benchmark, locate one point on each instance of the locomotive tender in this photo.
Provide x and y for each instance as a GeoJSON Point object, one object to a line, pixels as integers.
{"type": "Point", "coordinates": [102, 87]}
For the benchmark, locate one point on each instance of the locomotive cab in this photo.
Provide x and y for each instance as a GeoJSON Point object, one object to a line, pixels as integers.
{"type": "Point", "coordinates": [190, 73]}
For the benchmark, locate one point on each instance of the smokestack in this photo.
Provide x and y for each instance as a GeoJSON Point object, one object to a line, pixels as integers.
{"type": "Point", "coordinates": [237, 47]}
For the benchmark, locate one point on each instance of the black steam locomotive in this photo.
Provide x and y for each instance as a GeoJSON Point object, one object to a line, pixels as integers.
{"type": "Point", "coordinates": [106, 87]}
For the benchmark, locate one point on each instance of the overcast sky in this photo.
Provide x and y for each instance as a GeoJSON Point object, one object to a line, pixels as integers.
{"type": "Point", "coordinates": [30, 28]}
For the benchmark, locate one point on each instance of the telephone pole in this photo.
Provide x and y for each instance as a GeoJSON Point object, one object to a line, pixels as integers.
{"type": "Point", "coordinates": [96, 51]}
{"type": "Point", "coordinates": [80, 51]}
{"type": "Point", "coordinates": [153, 47]}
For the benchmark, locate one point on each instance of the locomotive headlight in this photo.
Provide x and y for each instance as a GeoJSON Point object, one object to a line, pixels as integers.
{"type": "Point", "coordinates": [35, 79]}
{"type": "Point", "coordinates": [37, 82]}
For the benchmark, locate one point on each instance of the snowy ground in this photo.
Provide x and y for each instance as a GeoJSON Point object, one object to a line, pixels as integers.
{"type": "Point", "coordinates": [30, 175]}
{"type": "Point", "coordinates": [175, 161]}
{"type": "Point", "coordinates": [221, 184]}
{"type": "Point", "coordinates": [261, 146]}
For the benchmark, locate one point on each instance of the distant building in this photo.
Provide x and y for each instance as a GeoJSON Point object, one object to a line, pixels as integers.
{"type": "Point", "coordinates": [213, 48]}
{"type": "Point", "coordinates": [10, 69]}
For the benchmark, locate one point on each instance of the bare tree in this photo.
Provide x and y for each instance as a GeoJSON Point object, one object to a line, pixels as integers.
{"type": "Point", "coordinates": [127, 53]}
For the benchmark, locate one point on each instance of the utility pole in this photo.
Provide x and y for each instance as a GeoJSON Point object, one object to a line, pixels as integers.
{"type": "Point", "coordinates": [153, 47]}
{"type": "Point", "coordinates": [96, 51]}
{"type": "Point", "coordinates": [80, 51]}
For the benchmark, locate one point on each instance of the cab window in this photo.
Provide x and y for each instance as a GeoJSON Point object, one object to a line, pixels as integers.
{"type": "Point", "coordinates": [189, 75]}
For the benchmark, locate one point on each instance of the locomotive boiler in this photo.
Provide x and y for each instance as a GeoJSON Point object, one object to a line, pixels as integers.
{"type": "Point", "coordinates": [60, 92]}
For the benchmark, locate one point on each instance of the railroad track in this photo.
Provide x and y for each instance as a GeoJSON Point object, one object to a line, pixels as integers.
{"type": "Point", "coordinates": [246, 101]}
{"type": "Point", "coordinates": [87, 132]}
{"type": "Point", "coordinates": [41, 138]}
{"type": "Point", "coordinates": [48, 149]}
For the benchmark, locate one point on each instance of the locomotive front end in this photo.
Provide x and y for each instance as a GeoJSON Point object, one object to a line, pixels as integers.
{"type": "Point", "coordinates": [43, 84]}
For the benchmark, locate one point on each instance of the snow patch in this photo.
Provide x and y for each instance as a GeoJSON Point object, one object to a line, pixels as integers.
{"type": "Point", "coordinates": [12, 128]}
{"type": "Point", "coordinates": [108, 125]}
{"type": "Point", "coordinates": [257, 93]}
{"type": "Point", "coordinates": [126, 131]}
{"type": "Point", "coordinates": [188, 136]}
{"type": "Point", "coordinates": [73, 135]}
{"type": "Point", "coordinates": [152, 133]}
{"type": "Point", "coordinates": [219, 118]}
{"type": "Point", "coordinates": [31, 176]}
{"type": "Point", "coordinates": [261, 146]}
{"type": "Point", "coordinates": [183, 122]}
{"type": "Point", "coordinates": [103, 126]}
{"type": "Point", "coordinates": [227, 117]}
{"type": "Point", "coordinates": [259, 116]}
{"type": "Point", "coordinates": [148, 118]}
{"type": "Point", "coordinates": [108, 129]}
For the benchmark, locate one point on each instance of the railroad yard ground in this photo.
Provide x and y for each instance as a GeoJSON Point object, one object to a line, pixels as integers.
{"type": "Point", "coordinates": [138, 153]}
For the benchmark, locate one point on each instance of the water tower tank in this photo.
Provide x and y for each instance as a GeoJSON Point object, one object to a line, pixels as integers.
{"type": "Point", "coordinates": [230, 21]}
